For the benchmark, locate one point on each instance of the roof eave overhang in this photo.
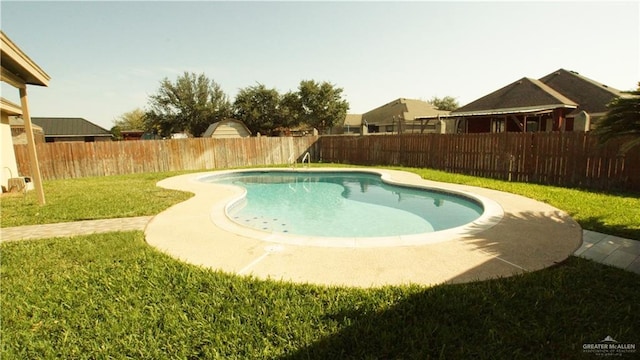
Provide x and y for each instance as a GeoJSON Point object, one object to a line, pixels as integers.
{"type": "Point", "coordinates": [19, 64]}
{"type": "Point", "coordinates": [10, 108]}
{"type": "Point", "coordinates": [523, 110]}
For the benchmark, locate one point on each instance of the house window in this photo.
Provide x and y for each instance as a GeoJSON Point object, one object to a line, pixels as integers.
{"type": "Point", "coordinates": [389, 128]}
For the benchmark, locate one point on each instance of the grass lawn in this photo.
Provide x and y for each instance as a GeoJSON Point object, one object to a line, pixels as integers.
{"type": "Point", "coordinates": [112, 296]}
{"type": "Point", "coordinates": [89, 199]}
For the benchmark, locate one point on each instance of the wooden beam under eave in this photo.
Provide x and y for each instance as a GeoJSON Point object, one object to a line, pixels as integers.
{"type": "Point", "coordinates": [11, 79]}
{"type": "Point", "coordinates": [516, 121]}
{"type": "Point", "coordinates": [31, 147]}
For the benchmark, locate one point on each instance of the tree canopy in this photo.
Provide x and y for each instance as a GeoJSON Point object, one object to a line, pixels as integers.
{"type": "Point", "coordinates": [621, 120]}
{"type": "Point", "coordinates": [193, 102]}
{"type": "Point", "coordinates": [190, 105]}
{"type": "Point", "coordinates": [259, 108]}
{"type": "Point", "coordinates": [447, 103]}
{"type": "Point", "coordinates": [132, 120]}
{"type": "Point", "coordinates": [321, 104]}
{"type": "Point", "coordinates": [264, 110]}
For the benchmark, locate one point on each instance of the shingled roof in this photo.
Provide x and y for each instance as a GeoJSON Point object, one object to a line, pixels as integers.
{"type": "Point", "coordinates": [524, 95]}
{"type": "Point", "coordinates": [69, 127]}
{"type": "Point", "coordinates": [354, 120]}
{"type": "Point", "coordinates": [401, 109]}
{"type": "Point", "coordinates": [591, 96]}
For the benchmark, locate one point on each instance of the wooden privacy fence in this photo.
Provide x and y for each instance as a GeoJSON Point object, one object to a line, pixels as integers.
{"type": "Point", "coordinates": [80, 159]}
{"type": "Point", "coordinates": [564, 159]}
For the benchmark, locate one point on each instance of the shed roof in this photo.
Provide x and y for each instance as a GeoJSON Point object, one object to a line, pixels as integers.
{"type": "Point", "coordinates": [212, 128]}
{"type": "Point", "coordinates": [69, 127]}
{"type": "Point", "coordinates": [525, 94]}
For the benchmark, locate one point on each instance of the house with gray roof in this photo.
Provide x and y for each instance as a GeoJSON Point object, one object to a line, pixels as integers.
{"type": "Point", "coordinates": [561, 101]}
{"type": "Point", "coordinates": [591, 96]}
{"type": "Point", "coordinates": [397, 116]}
{"type": "Point", "coordinates": [352, 125]}
{"type": "Point", "coordinates": [61, 129]}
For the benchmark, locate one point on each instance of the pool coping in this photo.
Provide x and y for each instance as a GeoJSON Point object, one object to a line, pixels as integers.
{"type": "Point", "coordinates": [519, 235]}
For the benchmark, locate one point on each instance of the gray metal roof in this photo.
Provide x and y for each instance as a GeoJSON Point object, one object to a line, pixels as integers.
{"type": "Point", "coordinates": [69, 127]}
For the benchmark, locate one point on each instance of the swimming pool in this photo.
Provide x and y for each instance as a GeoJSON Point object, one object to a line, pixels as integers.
{"type": "Point", "coordinates": [352, 204]}
{"type": "Point", "coordinates": [514, 234]}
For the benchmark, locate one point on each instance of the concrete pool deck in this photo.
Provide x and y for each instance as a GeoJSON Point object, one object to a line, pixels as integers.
{"type": "Point", "coordinates": [530, 236]}
{"type": "Point", "coordinates": [607, 249]}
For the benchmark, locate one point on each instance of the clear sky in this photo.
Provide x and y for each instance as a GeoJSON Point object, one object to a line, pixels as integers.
{"type": "Point", "coordinates": [106, 58]}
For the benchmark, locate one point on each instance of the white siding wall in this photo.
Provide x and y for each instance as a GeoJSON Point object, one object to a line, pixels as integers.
{"type": "Point", "coordinates": [8, 166]}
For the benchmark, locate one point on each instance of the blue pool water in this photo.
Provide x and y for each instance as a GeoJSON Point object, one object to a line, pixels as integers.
{"type": "Point", "coordinates": [342, 204]}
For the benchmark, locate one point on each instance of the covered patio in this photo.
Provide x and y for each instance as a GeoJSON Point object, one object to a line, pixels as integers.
{"type": "Point", "coordinates": [18, 70]}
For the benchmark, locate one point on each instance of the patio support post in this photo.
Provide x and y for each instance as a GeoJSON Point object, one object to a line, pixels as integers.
{"type": "Point", "coordinates": [31, 146]}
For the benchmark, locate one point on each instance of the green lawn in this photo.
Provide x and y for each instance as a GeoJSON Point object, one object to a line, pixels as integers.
{"type": "Point", "coordinates": [112, 296]}
{"type": "Point", "coordinates": [91, 198]}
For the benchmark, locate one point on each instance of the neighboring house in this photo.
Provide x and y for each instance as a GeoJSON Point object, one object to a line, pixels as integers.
{"type": "Point", "coordinates": [19, 135]}
{"type": "Point", "coordinates": [18, 71]}
{"type": "Point", "coordinates": [71, 129]}
{"type": "Point", "coordinates": [227, 128]}
{"type": "Point", "coordinates": [352, 125]}
{"type": "Point", "coordinates": [560, 101]}
{"type": "Point", "coordinates": [399, 116]}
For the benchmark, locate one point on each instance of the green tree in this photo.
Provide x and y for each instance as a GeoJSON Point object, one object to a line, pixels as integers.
{"type": "Point", "coordinates": [321, 104]}
{"type": "Point", "coordinates": [258, 107]}
{"type": "Point", "coordinates": [447, 103]}
{"type": "Point", "coordinates": [621, 120]}
{"type": "Point", "coordinates": [290, 110]}
{"type": "Point", "coordinates": [190, 104]}
{"type": "Point", "coordinates": [132, 120]}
